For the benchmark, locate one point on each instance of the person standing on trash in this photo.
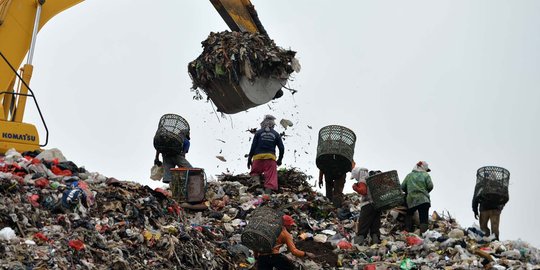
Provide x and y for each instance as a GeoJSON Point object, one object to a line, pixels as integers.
{"type": "Point", "coordinates": [335, 182]}
{"type": "Point", "coordinates": [171, 160]}
{"type": "Point", "coordinates": [277, 260]}
{"type": "Point", "coordinates": [262, 155]}
{"type": "Point", "coordinates": [369, 221]}
{"type": "Point", "coordinates": [489, 211]}
{"type": "Point", "coordinates": [417, 186]}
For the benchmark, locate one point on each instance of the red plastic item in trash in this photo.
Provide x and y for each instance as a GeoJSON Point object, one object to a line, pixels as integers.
{"type": "Point", "coordinates": [414, 241]}
{"type": "Point", "coordinates": [34, 200]}
{"type": "Point", "coordinates": [41, 237]}
{"type": "Point", "coordinates": [41, 182]}
{"type": "Point", "coordinates": [370, 267]}
{"type": "Point", "coordinates": [344, 245]}
{"type": "Point", "coordinates": [76, 244]}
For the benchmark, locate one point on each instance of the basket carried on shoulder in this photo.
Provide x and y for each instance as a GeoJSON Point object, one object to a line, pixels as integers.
{"type": "Point", "coordinates": [385, 190]}
{"type": "Point", "coordinates": [263, 228]}
{"type": "Point", "coordinates": [492, 184]}
{"type": "Point", "coordinates": [335, 149]}
{"type": "Point", "coordinates": [170, 135]}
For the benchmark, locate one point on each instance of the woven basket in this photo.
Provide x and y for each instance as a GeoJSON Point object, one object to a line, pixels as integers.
{"type": "Point", "coordinates": [262, 230]}
{"type": "Point", "coordinates": [169, 137]}
{"type": "Point", "coordinates": [385, 190]}
{"type": "Point", "coordinates": [492, 182]}
{"type": "Point", "coordinates": [335, 149]}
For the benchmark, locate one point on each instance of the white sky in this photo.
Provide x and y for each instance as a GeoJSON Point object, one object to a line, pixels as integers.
{"type": "Point", "coordinates": [450, 82]}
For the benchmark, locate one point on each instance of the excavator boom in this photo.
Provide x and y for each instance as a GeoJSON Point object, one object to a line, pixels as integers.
{"type": "Point", "coordinates": [20, 20]}
{"type": "Point", "coordinates": [240, 15]}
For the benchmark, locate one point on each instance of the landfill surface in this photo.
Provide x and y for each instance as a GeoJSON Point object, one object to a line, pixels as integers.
{"type": "Point", "coordinates": [56, 215]}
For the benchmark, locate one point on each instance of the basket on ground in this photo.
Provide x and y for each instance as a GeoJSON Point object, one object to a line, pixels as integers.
{"type": "Point", "coordinates": [169, 137]}
{"type": "Point", "coordinates": [492, 184]}
{"type": "Point", "coordinates": [335, 149]}
{"type": "Point", "coordinates": [262, 230]}
{"type": "Point", "coordinates": [187, 184]}
{"type": "Point", "coordinates": [385, 190]}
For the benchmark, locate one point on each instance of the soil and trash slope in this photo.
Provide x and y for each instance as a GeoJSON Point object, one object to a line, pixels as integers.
{"type": "Point", "coordinates": [56, 215]}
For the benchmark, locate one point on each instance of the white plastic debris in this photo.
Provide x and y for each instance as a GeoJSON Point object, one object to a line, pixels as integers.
{"type": "Point", "coordinates": [50, 154]}
{"type": "Point", "coordinates": [456, 233]}
{"type": "Point", "coordinates": [321, 238]}
{"type": "Point", "coordinates": [7, 234]}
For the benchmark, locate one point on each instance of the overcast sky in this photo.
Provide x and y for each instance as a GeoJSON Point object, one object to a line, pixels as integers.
{"type": "Point", "coordinates": [454, 83]}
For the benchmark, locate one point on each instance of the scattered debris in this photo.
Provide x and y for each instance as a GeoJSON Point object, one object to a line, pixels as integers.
{"type": "Point", "coordinates": [84, 220]}
{"type": "Point", "coordinates": [285, 123]}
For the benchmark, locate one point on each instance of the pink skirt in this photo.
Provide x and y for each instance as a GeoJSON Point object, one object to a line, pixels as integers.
{"type": "Point", "coordinates": [267, 167]}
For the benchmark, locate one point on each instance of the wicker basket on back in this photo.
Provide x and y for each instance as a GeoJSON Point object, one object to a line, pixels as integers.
{"type": "Point", "coordinates": [169, 137]}
{"type": "Point", "coordinates": [335, 149]}
{"type": "Point", "coordinates": [262, 230]}
{"type": "Point", "coordinates": [385, 190]}
{"type": "Point", "coordinates": [492, 184]}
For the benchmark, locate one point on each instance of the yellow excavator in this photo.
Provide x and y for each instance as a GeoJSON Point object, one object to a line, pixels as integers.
{"type": "Point", "coordinates": [20, 21]}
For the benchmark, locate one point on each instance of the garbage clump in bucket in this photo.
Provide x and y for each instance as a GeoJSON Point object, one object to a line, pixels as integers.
{"type": "Point", "coordinates": [240, 70]}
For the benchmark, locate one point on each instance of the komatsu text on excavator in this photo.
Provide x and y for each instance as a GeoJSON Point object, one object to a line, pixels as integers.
{"type": "Point", "coordinates": [20, 21]}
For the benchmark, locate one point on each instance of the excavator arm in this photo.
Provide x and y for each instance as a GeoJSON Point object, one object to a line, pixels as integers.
{"type": "Point", "coordinates": [21, 20]}
{"type": "Point", "coordinates": [240, 15]}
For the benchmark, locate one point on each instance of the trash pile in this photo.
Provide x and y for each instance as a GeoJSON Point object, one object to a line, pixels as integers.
{"type": "Point", "coordinates": [55, 215]}
{"type": "Point", "coordinates": [233, 55]}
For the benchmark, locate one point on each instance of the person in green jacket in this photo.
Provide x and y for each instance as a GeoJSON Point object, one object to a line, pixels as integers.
{"type": "Point", "coordinates": [417, 186]}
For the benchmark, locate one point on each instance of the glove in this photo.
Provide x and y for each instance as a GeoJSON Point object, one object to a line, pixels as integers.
{"type": "Point", "coordinates": [249, 163]}
{"type": "Point", "coordinates": [157, 162]}
{"type": "Point", "coordinates": [320, 183]}
{"type": "Point", "coordinates": [279, 162]}
{"type": "Point", "coordinates": [476, 215]}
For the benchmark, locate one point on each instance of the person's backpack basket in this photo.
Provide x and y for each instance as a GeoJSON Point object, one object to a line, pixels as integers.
{"type": "Point", "coordinates": [385, 190]}
{"type": "Point", "coordinates": [492, 185]}
{"type": "Point", "coordinates": [335, 149]}
{"type": "Point", "coordinates": [263, 228]}
{"type": "Point", "coordinates": [170, 135]}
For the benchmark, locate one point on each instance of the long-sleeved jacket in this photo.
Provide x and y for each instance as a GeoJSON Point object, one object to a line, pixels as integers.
{"type": "Point", "coordinates": [484, 204]}
{"type": "Point", "coordinates": [265, 142]}
{"type": "Point", "coordinates": [285, 238]}
{"type": "Point", "coordinates": [417, 186]}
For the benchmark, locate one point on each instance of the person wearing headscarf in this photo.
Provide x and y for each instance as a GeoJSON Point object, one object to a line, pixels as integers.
{"type": "Point", "coordinates": [262, 155]}
{"type": "Point", "coordinates": [417, 186]}
{"type": "Point", "coordinates": [369, 221]}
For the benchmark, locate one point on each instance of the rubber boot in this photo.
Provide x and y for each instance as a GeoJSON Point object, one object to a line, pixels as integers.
{"type": "Point", "coordinates": [256, 179]}
{"type": "Point", "coordinates": [423, 227]}
{"type": "Point", "coordinates": [359, 240]}
{"type": "Point", "coordinates": [408, 223]}
{"type": "Point", "coordinates": [375, 239]}
{"type": "Point", "coordinates": [268, 191]}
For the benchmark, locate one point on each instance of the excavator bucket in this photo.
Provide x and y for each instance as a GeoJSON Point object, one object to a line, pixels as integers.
{"type": "Point", "coordinates": [231, 97]}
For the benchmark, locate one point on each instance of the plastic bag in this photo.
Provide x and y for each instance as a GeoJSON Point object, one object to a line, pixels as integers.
{"type": "Point", "coordinates": [156, 172]}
